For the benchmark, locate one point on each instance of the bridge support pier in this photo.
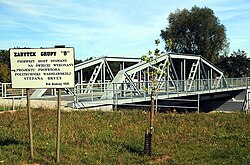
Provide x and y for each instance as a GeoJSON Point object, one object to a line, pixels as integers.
{"type": "Point", "coordinates": [246, 101]}
{"type": "Point", "coordinates": [198, 103]}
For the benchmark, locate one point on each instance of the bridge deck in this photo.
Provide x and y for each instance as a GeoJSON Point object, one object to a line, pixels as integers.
{"type": "Point", "coordinates": [117, 100]}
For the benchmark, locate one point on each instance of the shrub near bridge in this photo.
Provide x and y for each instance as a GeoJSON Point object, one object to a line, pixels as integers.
{"type": "Point", "coordinates": [117, 138]}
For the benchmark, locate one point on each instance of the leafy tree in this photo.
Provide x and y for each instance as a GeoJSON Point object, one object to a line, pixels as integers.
{"type": "Point", "coordinates": [5, 66]}
{"type": "Point", "coordinates": [237, 65]}
{"type": "Point", "coordinates": [77, 61]}
{"type": "Point", "coordinates": [5, 57]}
{"type": "Point", "coordinates": [197, 31]}
{"type": "Point", "coordinates": [4, 73]}
{"type": "Point", "coordinates": [154, 73]}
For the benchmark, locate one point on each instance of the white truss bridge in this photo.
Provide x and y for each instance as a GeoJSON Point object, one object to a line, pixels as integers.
{"type": "Point", "coordinates": [185, 75]}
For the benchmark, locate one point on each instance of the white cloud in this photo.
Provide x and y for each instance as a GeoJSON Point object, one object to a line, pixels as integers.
{"type": "Point", "coordinates": [97, 27]}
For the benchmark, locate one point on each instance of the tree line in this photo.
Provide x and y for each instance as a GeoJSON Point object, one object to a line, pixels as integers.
{"type": "Point", "coordinates": [235, 65]}
{"type": "Point", "coordinates": [199, 31]}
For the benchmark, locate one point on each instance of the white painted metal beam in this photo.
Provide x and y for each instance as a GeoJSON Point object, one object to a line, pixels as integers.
{"type": "Point", "coordinates": [87, 64]}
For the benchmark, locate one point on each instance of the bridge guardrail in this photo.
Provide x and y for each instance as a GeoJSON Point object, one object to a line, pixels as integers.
{"type": "Point", "coordinates": [119, 91]}
{"type": "Point", "coordinates": [8, 91]}
{"type": "Point", "coordinates": [179, 87]}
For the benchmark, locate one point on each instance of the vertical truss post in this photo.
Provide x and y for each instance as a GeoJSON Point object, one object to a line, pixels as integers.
{"type": "Point", "coordinates": [123, 89]}
{"type": "Point", "coordinates": [81, 79]}
{"type": "Point", "coordinates": [78, 77]}
{"type": "Point", "coordinates": [122, 66]}
{"type": "Point", "coordinates": [5, 90]}
{"type": "Point", "coordinates": [139, 79]}
{"type": "Point", "coordinates": [145, 80]}
{"type": "Point", "coordinates": [247, 101]}
{"type": "Point", "coordinates": [167, 84]}
{"type": "Point", "coordinates": [184, 74]}
{"type": "Point", "coordinates": [81, 76]}
{"type": "Point", "coordinates": [211, 78]}
{"type": "Point", "coordinates": [148, 76]}
{"type": "Point", "coordinates": [221, 82]}
{"type": "Point", "coordinates": [182, 81]}
{"type": "Point", "coordinates": [208, 81]}
{"type": "Point", "coordinates": [199, 75]}
{"type": "Point", "coordinates": [114, 98]}
{"type": "Point", "coordinates": [103, 75]}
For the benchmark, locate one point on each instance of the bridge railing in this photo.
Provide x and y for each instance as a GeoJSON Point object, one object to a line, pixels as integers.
{"type": "Point", "coordinates": [91, 92]}
{"type": "Point", "coordinates": [6, 90]}
{"type": "Point", "coordinates": [117, 91]}
{"type": "Point", "coordinates": [238, 82]}
{"type": "Point", "coordinates": [180, 87]}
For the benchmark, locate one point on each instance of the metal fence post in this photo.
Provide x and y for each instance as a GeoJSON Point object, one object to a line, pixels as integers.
{"type": "Point", "coordinates": [198, 103]}
{"type": "Point", "coordinates": [116, 97]}
{"type": "Point", "coordinates": [92, 92]}
{"type": "Point", "coordinates": [75, 96]}
{"type": "Point", "coordinates": [5, 90]}
{"type": "Point", "coordinates": [2, 89]}
{"type": "Point", "coordinates": [131, 93]}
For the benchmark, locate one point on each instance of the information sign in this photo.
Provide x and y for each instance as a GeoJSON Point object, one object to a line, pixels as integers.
{"type": "Point", "coordinates": [42, 68]}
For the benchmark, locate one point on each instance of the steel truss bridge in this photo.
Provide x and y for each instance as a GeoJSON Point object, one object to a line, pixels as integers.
{"type": "Point", "coordinates": [187, 78]}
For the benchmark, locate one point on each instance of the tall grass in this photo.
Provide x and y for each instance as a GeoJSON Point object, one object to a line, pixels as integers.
{"type": "Point", "coordinates": [118, 137]}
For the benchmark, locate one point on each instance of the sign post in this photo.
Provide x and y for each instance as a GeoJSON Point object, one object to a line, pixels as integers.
{"type": "Point", "coordinates": [58, 125]}
{"type": "Point", "coordinates": [29, 122]}
{"type": "Point", "coordinates": [43, 68]}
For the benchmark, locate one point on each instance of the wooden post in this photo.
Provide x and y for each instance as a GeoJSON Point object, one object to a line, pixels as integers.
{"type": "Point", "coordinates": [58, 125]}
{"type": "Point", "coordinates": [146, 147]}
{"type": "Point", "coordinates": [152, 110]}
{"type": "Point", "coordinates": [150, 135]}
{"type": "Point", "coordinates": [29, 122]}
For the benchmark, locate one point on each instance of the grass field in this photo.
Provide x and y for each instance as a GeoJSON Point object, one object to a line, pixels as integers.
{"type": "Point", "coordinates": [118, 138]}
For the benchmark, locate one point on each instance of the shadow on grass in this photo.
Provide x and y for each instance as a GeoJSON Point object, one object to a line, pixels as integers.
{"type": "Point", "coordinates": [8, 142]}
{"type": "Point", "coordinates": [133, 149]}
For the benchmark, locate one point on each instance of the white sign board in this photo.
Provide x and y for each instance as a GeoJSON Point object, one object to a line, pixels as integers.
{"type": "Point", "coordinates": [42, 68]}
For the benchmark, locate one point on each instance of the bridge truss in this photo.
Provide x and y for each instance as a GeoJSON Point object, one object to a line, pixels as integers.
{"type": "Point", "coordinates": [186, 75]}
{"type": "Point", "coordinates": [101, 72]}
{"type": "Point", "coordinates": [101, 69]}
{"type": "Point", "coordinates": [180, 75]}
{"type": "Point", "coordinates": [189, 71]}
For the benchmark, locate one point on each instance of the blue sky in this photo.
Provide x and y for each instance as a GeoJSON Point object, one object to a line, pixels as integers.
{"type": "Point", "coordinates": [125, 28]}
